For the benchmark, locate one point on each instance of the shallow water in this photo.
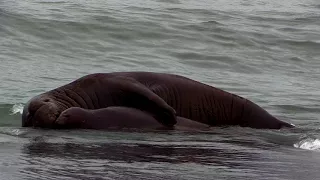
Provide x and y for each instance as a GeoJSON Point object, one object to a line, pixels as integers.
{"type": "Point", "coordinates": [267, 51]}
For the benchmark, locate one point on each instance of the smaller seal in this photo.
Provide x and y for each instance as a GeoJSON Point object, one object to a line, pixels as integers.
{"type": "Point", "coordinates": [118, 117]}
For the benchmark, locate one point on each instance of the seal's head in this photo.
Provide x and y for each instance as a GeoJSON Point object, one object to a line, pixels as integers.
{"type": "Point", "coordinates": [40, 111]}
{"type": "Point", "coordinates": [73, 117]}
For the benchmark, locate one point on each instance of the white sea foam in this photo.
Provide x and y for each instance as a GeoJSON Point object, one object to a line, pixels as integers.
{"type": "Point", "coordinates": [11, 131]}
{"type": "Point", "coordinates": [17, 108]}
{"type": "Point", "coordinates": [309, 144]}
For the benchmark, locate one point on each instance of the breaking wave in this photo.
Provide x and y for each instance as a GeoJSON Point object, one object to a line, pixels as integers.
{"type": "Point", "coordinates": [308, 144]}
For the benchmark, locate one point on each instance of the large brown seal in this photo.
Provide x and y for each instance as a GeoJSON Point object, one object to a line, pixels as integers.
{"type": "Point", "coordinates": [164, 96]}
{"type": "Point", "coordinates": [118, 117]}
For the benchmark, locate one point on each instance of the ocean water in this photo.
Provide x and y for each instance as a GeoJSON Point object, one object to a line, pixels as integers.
{"type": "Point", "coordinates": [266, 51]}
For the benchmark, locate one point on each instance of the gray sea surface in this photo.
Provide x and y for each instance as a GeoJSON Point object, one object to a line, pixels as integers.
{"type": "Point", "coordinates": [266, 51]}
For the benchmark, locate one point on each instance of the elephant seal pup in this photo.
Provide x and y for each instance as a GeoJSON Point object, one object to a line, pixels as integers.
{"type": "Point", "coordinates": [164, 96]}
{"type": "Point", "coordinates": [116, 117]}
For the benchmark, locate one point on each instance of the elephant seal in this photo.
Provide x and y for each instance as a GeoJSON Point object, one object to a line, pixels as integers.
{"type": "Point", "coordinates": [164, 96]}
{"type": "Point", "coordinates": [117, 117]}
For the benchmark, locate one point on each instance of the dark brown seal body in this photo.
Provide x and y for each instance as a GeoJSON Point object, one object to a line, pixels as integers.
{"type": "Point", "coordinates": [165, 96]}
{"type": "Point", "coordinates": [116, 117]}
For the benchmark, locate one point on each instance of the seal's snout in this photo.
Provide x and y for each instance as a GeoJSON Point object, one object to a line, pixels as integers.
{"type": "Point", "coordinates": [40, 112]}
{"type": "Point", "coordinates": [26, 117]}
{"type": "Point", "coordinates": [29, 111]}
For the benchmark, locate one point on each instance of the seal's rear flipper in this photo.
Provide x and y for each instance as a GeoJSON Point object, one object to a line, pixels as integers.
{"type": "Point", "coordinates": [288, 125]}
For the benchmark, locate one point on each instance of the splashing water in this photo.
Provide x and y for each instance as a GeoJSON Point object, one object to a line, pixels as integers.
{"type": "Point", "coordinates": [12, 131]}
{"type": "Point", "coordinates": [308, 144]}
{"type": "Point", "coordinates": [17, 108]}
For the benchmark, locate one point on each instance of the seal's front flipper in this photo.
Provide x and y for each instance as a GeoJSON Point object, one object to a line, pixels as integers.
{"type": "Point", "coordinates": [134, 94]}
